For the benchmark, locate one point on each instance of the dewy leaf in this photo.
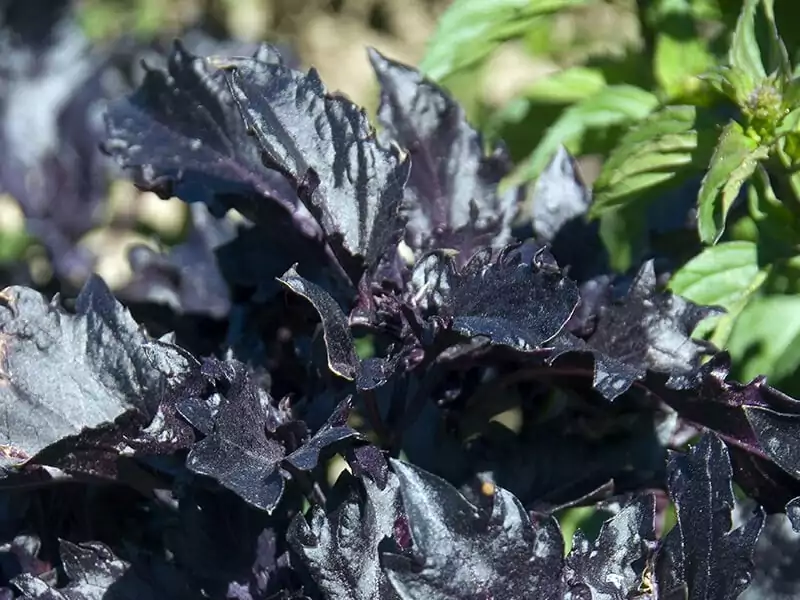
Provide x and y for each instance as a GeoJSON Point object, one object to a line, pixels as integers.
{"type": "Point", "coordinates": [326, 147]}
{"type": "Point", "coordinates": [341, 548]}
{"type": "Point", "coordinates": [764, 339]}
{"type": "Point", "coordinates": [613, 105]}
{"type": "Point", "coordinates": [655, 151]}
{"type": "Point", "coordinates": [63, 373]}
{"type": "Point", "coordinates": [470, 29]}
{"type": "Point", "coordinates": [181, 135]}
{"type": "Point", "coordinates": [514, 300]}
{"type": "Point", "coordinates": [451, 176]}
{"type": "Point", "coordinates": [714, 562]}
{"type": "Point", "coordinates": [735, 160]}
{"type": "Point", "coordinates": [461, 552]}
{"type": "Point", "coordinates": [744, 53]}
{"type": "Point", "coordinates": [342, 357]}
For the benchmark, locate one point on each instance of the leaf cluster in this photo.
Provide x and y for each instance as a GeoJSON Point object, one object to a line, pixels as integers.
{"type": "Point", "coordinates": [414, 374]}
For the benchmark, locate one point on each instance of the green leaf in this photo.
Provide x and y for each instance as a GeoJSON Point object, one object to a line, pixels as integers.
{"type": "Point", "coordinates": [678, 62]}
{"type": "Point", "coordinates": [735, 160]}
{"type": "Point", "coordinates": [471, 29]}
{"type": "Point", "coordinates": [613, 105]}
{"type": "Point", "coordinates": [789, 124]}
{"type": "Point", "coordinates": [650, 154]}
{"type": "Point", "coordinates": [624, 235]}
{"type": "Point", "coordinates": [765, 338]}
{"type": "Point", "coordinates": [720, 275]}
{"type": "Point", "coordinates": [567, 86]}
{"type": "Point", "coordinates": [779, 61]}
{"type": "Point", "coordinates": [744, 53]}
{"type": "Point", "coordinates": [732, 83]}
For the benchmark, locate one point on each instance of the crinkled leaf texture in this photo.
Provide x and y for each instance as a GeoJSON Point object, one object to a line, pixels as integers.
{"type": "Point", "coordinates": [351, 183]}
{"type": "Point", "coordinates": [240, 452]}
{"type": "Point", "coordinates": [701, 556]}
{"type": "Point", "coordinates": [95, 573]}
{"type": "Point", "coordinates": [460, 550]}
{"type": "Point", "coordinates": [647, 331]}
{"type": "Point", "coordinates": [517, 299]}
{"type": "Point", "coordinates": [64, 373]}
{"type": "Point", "coordinates": [453, 185]}
{"type": "Point", "coordinates": [181, 134]}
{"type": "Point", "coordinates": [759, 423]}
{"type": "Point", "coordinates": [341, 547]}
{"type": "Point", "coordinates": [251, 442]}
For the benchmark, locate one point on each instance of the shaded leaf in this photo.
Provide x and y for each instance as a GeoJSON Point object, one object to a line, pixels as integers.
{"type": "Point", "coordinates": [342, 357]}
{"type": "Point", "coordinates": [95, 573]}
{"type": "Point", "coordinates": [334, 431]}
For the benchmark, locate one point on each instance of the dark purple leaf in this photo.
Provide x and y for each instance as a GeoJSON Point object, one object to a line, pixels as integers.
{"type": "Point", "coordinates": [754, 418]}
{"type": "Point", "coordinates": [646, 331]}
{"type": "Point", "coordinates": [610, 568]}
{"type": "Point", "coordinates": [342, 358]}
{"type": "Point", "coordinates": [52, 85]}
{"type": "Point", "coordinates": [98, 367]}
{"type": "Point", "coordinates": [242, 451]}
{"type": "Point", "coordinates": [713, 562]}
{"type": "Point", "coordinates": [510, 301]}
{"type": "Point", "coordinates": [334, 431]}
{"type": "Point", "coordinates": [461, 553]}
{"type": "Point", "coordinates": [776, 575]}
{"type": "Point", "coordinates": [325, 146]}
{"type": "Point", "coordinates": [559, 196]}
{"type": "Point", "coordinates": [181, 134]}
{"type": "Point", "coordinates": [95, 573]}
{"type": "Point", "coordinates": [188, 278]}
{"type": "Point", "coordinates": [452, 197]}
{"type": "Point", "coordinates": [341, 548]}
